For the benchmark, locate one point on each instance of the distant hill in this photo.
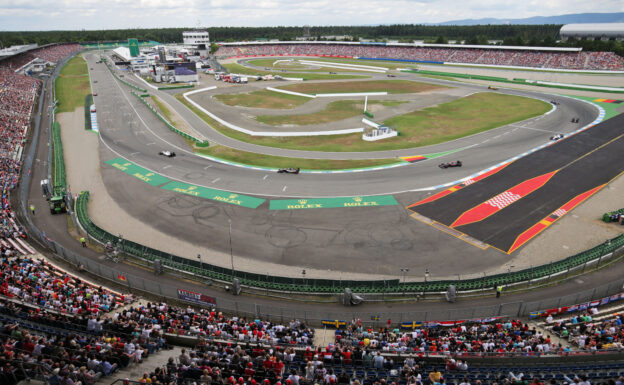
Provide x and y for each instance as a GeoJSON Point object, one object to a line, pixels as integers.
{"type": "Point", "coordinates": [561, 19]}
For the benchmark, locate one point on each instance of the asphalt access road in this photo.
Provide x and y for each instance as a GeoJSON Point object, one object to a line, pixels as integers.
{"type": "Point", "coordinates": [131, 131]}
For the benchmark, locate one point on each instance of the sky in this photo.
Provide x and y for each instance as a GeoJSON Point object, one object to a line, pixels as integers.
{"type": "Point", "coordinates": [37, 15]}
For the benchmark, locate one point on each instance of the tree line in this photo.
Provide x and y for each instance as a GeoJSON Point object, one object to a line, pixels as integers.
{"type": "Point", "coordinates": [521, 35]}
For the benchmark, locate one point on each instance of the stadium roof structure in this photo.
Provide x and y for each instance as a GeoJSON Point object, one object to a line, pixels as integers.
{"type": "Point", "coordinates": [423, 45]}
{"type": "Point", "coordinates": [16, 49]}
{"type": "Point", "coordinates": [593, 30]}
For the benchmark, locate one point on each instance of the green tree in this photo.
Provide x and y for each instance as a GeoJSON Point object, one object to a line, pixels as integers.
{"type": "Point", "coordinates": [441, 40]}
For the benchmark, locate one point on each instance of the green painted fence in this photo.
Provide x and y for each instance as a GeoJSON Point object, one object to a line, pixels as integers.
{"type": "Point", "coordinates": [87, 111]}
{"type": "Point", "coordinates": [328, 286]}
{"type": "Point", "coordinates": [123, 81]}
{"type": "Point", "coordinates": [60, 179]}
{"type": "Point", "coordinates": [198, 142]}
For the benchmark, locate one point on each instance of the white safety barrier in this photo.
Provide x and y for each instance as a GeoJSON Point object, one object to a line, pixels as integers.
{"type": "Point", "coordinates": [263, 133]}
{"type": "Point", "coordinates": [290, 92]}
{"type": "Point", "coordinates": [352, 94]}
{"type": "Point", "coordinates": [344, 66]}
{"type": "Point", "coordinates": [528, 68]}
{"type": "Point", "coordinates": [601, 88]}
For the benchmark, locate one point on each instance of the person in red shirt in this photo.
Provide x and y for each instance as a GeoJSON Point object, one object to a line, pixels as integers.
{"type": "Point", "coordinates": [249, 370]}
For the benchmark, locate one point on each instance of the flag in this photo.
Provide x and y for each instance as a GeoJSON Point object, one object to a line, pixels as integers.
{"type": "Point", "coordinates": [374, 318]}
{"type": "Point", "coordinates": [121, 277]}
{"type": "Point", "coordinates": [535, 314]}
{"type": "Point", "coordinates": [335, 323]}
{"type": "Point", "coordinates": [411, 325]}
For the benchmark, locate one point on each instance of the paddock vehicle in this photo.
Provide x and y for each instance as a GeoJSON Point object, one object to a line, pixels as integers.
{"type": "Point", "coordinates": [456, 163]}
{"type": "Point", "coordinates": [168, 154]}
{"type": "Point", "coordinates": [556, 137]}
{"type": "Point", "coordinates": [492, 88]}
{"type": "Point", "coordinates": [575, 120]}
{"type": "Point", "coordinates": [289, 170]}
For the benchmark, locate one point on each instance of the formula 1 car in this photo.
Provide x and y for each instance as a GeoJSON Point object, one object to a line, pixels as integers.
{"type": "Point", "coordinates": [168, 154]}
{"type": "Point", "coordinates": [456, 163]}
{"type": "Point", "coordinates": [575, 120]}
{"type": "Point", "coordinates": [556, 137]}
{"type": "Point", "coordinates": [289, 170]}
{"type": "Point", "coordinates": [492, 88]}
{"type": "Point", "coordinates": [391, 76]}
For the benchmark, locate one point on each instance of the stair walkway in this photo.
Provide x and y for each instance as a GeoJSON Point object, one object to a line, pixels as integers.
{"type": "Point", "coordinates": [135, 371]}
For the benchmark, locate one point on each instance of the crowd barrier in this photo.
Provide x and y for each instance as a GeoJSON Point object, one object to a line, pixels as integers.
{"type": "Point", "coordinates": [573, 264]}
{"type": "Point", "coordinates": [198, 142]}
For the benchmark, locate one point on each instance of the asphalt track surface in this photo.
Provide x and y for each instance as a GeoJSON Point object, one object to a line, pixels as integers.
{"type": "Point", "coordinates": [342, 240]}
{"type": "Point", "coordinates": [55, 227]}
{"type": "Point", "coordinates": [580, 163]}
{"type": "Point", "coordinates": [131, 131]}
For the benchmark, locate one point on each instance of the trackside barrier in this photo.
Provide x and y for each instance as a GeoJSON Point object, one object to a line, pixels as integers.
{"type": "Point", "coordinates": [512, 81]}
{"type": "Point", "coordinates": [198, 142]}
{"type": "Point", "coordinates": [87, 111]}
{"type": "Point", "coordinates": [592, 257]}
{"type": "Point", "coordinates": [176, 87]}
{"type": "Point", "coordinates": [123, 81]}
{"type": "Point", "coordinates": [60, 180]}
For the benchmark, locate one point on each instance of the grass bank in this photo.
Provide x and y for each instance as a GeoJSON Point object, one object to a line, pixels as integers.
{"type": "Point", "coordinates": [239, 69]}
{"type": "Point", "coordinates": [462, 117]}
{"type": "Point", "coordinates": [334, 111]}
{"type": "Point", "coordinates": [72, 85]}
{"type": "Point", "coordinates": [261, 160]}
{"type": "Point", "coordinates": [262, 99]}
{"type": "Point", "coordinates": [390, 86]}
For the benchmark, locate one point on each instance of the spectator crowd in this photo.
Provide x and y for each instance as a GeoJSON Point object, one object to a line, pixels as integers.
{"type": "Point", "coordinates": [494, 56]}
{"type": "Point", "coordinates": [17, 102]}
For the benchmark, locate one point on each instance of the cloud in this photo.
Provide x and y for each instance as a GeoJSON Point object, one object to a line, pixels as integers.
{"type": "Point", "coordinates": [114, 14]}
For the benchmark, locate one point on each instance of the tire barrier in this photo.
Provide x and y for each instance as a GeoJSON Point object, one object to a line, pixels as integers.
{"type": "Point", "coordinates": [610, 249]}
{"type": "Point", "coordinates": [198, 142]}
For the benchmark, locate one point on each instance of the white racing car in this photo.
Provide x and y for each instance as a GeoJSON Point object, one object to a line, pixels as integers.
{"type": "Point", "coordinates": [168, 154]}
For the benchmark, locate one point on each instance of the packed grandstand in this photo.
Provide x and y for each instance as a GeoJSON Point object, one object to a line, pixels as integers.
{"type": "Point", "coordinates": [545, 58]}
{"type": "Point", "coordinates": [57, 326]}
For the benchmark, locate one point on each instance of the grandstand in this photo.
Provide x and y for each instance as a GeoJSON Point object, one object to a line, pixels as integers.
{"type": "Point", "coordinates": [531, 57]}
